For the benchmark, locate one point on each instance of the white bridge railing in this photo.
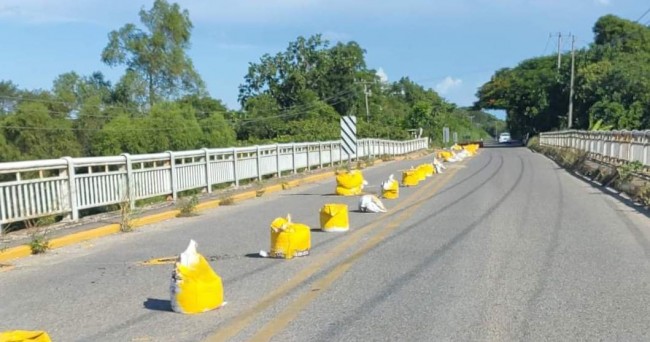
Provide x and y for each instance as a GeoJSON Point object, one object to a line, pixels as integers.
{"type": "Point", "coordinates": [38, 188]}
{"type": "Point", "coordinates": [614, 146]}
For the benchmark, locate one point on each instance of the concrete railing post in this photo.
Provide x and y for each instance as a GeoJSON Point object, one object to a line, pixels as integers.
{"type": "Point", "coordinates": [293, 157]}
{"type": "Point", "coordinates": [70, 194]}
{"type": "Point", "coordinates": [259, 163]}
{"type": "Point", "coordinates": [234, 167]}
{"type": "Point", "coordinates": [208, 171]}
{"type": "Point", "coordinates": [277, 160]}
{"type": "Point", "coordinates": [129, 192]}
{"type": "Point", "coordinates": [174, 179]}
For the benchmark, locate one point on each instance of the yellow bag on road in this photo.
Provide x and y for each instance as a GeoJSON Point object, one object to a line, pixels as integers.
{"type": "Point", "coordinates": [24, 336]}
{"type": "Point", "coordinates": [289, 239]}
{"type": "Point", "coordinates": [195, 286]}
{"type": "Point", "coordinates": [390, 188]}
{"type": "Point", "coordinates": [410, 178]}
{"type": "Point", "coordinates": [334, 217]}
{"type": "Point", "coordinates": [349, 183]}
{"type": "Point", "coordinates": [428, 169]}
{"type": "Point", "coordinates": [445, 155]}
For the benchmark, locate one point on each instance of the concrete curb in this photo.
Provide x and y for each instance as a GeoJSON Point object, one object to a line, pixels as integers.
{"type": "Point", "coordinates": [22, 251]}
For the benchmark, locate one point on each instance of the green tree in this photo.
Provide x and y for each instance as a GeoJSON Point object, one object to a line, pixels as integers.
{"type": "Point", "coordinates": [157, 53]}
{"type": "Point", "coordinates": [37, 135]}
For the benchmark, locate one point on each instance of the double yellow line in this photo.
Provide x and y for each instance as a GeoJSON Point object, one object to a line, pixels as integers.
{"type": "Point", "coordinates": [280, 321]}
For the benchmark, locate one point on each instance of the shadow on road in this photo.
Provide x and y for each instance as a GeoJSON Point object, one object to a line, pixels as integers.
{"type": "Point", "coordinates": [611, 192]}
{"type": "Point", "coordinates": [158, 304]}
{"type": "Point", "coordinates": [254, 255]}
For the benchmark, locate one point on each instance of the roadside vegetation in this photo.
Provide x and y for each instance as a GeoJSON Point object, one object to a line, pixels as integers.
{"type": "Point", "coordinates": [630, 178]}
{"type": "Point", "coordinates": [612, 84]}
{"type": "Point", "coordinates": [160, 103]}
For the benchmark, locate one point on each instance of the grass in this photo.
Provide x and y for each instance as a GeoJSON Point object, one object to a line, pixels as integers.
{"type": "Point", "coordinates": [621, 177]}
{"type": "Point", "coordinates": [126, 216]}
{"type": "Point", "coordinates": [39, 242]}
{"type": "Point", "coordinates": [187, 206]}
{"type": "Point", "coordinates": [227, 201]}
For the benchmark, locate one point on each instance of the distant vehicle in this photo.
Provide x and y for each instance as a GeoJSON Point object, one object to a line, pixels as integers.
{"type": "Point", "coordinates": [504, 138]}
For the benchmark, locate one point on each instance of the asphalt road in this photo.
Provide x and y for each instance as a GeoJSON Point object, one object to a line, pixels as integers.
{"type": "Point", "coordinates": [504, 246]}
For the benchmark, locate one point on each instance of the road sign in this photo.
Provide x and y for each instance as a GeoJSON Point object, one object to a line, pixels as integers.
{"type": "Point", "coordinates": [445, 135]}
{"type": "Point", "coordinates": [349, 134]}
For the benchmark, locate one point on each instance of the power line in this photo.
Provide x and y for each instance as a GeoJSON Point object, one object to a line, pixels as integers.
{"type": "Point", "coordinates": [338, 99]}
{"type": "Point", "coordinates": [643, 15]}
{"type": "Point", "coordinates": [548, 41]}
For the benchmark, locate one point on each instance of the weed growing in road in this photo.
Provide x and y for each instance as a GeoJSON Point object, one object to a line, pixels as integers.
{"type": "Point", "coordinates": [626, 171]}
{"type": "Point", "coordinates": [227, 201]}
{"type": "Point", "coordinates": [286, 186]}
{"type": "Point", "coordinates": [126, 215]}
{"type": "Point", "coordinates": [644, 194]}
{"type": "Point", "coordinates": [39, 242]}
{"type": "Point", "coordinates": [187, 206]}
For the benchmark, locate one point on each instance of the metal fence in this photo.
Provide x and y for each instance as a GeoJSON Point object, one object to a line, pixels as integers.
{"type": "Point", "coordinates": [33, 189]}
{"type": "Point", "coordinates": [613, 146]}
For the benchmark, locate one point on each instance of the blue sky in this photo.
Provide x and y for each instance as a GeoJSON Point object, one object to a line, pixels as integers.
{"type": "Point", "coordinates": [452, 46]}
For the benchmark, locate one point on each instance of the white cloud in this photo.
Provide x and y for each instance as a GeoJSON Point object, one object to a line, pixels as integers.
{"type": "Point", "coordinates": [383, 77]}
{"type": "Point", "coordinates": [603, 2]}
{"type": "Point", "coordinates": [334, 36]}
{"type": "Point", "coordinates": [449, 83]}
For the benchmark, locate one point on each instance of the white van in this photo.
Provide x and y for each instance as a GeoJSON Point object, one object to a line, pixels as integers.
{"type": "Point", "coordinates": [504, 138]}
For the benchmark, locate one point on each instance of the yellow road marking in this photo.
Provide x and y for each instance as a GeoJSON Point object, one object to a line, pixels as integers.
{"type": "Point", "coordinates": [280, 321]}
{"type": "Point", "coordinates": [160, 261]}
{"type": "Point", "coordinates": [241, 321]}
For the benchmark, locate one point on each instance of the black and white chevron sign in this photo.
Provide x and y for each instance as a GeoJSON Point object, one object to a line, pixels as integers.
{"type": "Point", "coordinates": [349, 134]}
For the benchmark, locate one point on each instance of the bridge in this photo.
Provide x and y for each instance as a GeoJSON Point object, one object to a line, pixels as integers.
{"type": "Point", "coordinates": [505, 245]}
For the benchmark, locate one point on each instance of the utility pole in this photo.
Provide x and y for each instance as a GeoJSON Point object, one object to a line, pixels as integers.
{"type": "Point", "coordinates": [559, 51]}
{"type": "Point", "coordinates": [365, 91]}
{"type": "Point", "coordinates": [573, 62]}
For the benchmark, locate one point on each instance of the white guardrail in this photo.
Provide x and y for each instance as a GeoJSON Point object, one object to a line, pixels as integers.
{"type": "Point", "coordinates": [38, 188]}
{"type": "Point", "coordinates": [616, 146]}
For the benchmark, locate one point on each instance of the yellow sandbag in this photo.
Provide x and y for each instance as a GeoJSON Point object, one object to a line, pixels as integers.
{"type": "Point", "coordinates": [390, 189]}
{"type": "Point", "coordinates": [456, 147]}
{"type": "Point", "coordinates": [341, 191]}
{"type": "Point", "coordinates": [24, 336]}
{"type": "Point", "coordinates": [410, 178]}
{"type": "Point", "coordinates": [421, 173]}
{"type": "Point", "coordinates": [427, 169]}
{"type": "Point", "coordinates": [289, 239]}
{"type": "Point", "coordinates": [195, 286]}
{"type": "Point", "coordinates": [334, 217]}
{"type": "Point", "coordinates": [349, 179]}
{"type": "Point", "coordinates": [445, 155]}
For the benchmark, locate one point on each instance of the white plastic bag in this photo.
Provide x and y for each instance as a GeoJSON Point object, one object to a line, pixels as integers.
{"type": "Point", "coordinates": [371, 204]}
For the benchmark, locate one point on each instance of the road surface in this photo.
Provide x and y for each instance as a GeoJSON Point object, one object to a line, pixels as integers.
{"type": "Point", "coordinates": [504, 246]}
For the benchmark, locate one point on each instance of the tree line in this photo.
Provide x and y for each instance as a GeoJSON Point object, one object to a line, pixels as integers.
{"type": "Point", "coordinates": [160, 102]}
{"type": "Point", "coordinates": [612, 84]}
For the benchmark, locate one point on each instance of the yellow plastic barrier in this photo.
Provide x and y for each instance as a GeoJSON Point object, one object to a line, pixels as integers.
{"type": "Point", "coordinates": [24, 336]}
{"type": "Point", "coordinates": [349, 183]}
{"type": "Point", "coordinates": [471, 148]}
{"type": "Point", "coordinates": [390, 188]}
{"type": "Point", "coordinates": [195, 286]}
{"type": "Point", "coordinates": [427, 169]}
{"type": "Point", "coordinates": [334, 217]}
{"type": "Point", "coordinates": [410, 178]}
{"type": "Point", "coordinates": [445, 155]}
{"type": "Point", "coordinates": [457, 147]}
{"type": "Point", "coordinates": [421, 173]}
{"type": "Point", "coordinates": [289, 239]}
